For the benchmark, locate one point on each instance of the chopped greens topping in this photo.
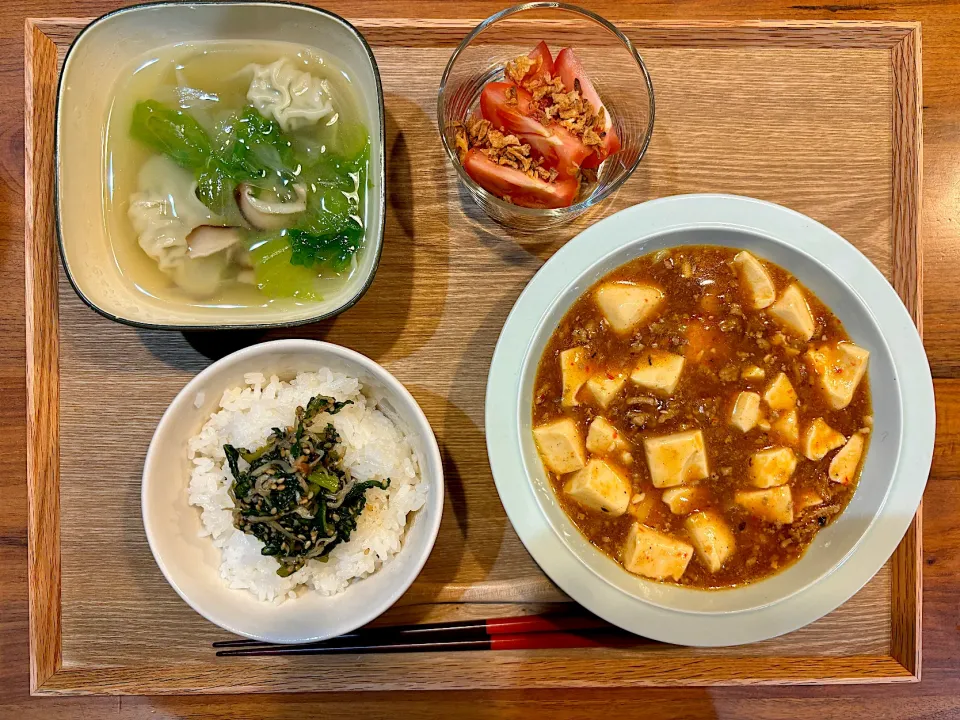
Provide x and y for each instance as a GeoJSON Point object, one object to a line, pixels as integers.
{"type": "Point", "coordinates": [293, 493]}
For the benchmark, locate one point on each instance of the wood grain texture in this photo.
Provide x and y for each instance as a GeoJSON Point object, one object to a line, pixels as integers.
{"type": "Point", "coordinates": [907, 595]}
{"type": "Point", "coordinates": [908, 184]}
{"type": "Point", "coordinates": [936, 698]}
{"type": "Point", "coordinates": [42, 360]}
{"type": "Point", "coordinates": [448, 33]}
{"type": "Point", "coordinates": [425, 321]}
{"type": "Point", "coordinates": [491, 671]}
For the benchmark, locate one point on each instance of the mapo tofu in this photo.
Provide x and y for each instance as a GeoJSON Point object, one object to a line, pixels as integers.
{"type": "Point", "coordinates": [701, 416]}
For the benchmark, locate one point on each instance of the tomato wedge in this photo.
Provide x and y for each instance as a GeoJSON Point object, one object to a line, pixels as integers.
{"type": "Point", "coordinates": [560, 149]}
{"type": "Point", "coordinates": [542, 67]}
{"type": "Point", "coordinates": [569, 68]}
{"type": "Point", "coordinates": [518, 186]}
{"type": "Point", "coordinates": [512, 117]}
{"type": "Point", "coordinates": [542, 53]}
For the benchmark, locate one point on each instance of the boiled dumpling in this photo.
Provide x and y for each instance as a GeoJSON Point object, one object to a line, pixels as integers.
{"type": "Point", "coordinates": [163, 213]}
{"type": "Point", "coordinates": [292, 97]}
{"type": "Point", "coordinates": [159, 232]}
{"type": "Point", "coordinates": [165, 210]}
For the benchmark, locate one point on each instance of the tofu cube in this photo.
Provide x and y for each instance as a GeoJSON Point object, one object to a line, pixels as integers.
{"type": "Point", "coordinates": [712, 539]}
{"type": "Point", "coordinates": [746, 411]}
{"type": "Point", "coordinates": [628, 305]}
{"type": "Point", "coordinates": [676, 459]}
{"type": "Point", "coordinates": [604, 387]}
{"type": "Point", "coordinates": [805, 499]}
{"type": "Point", "coordinates": [658, 371]}
{"type": "Point", "coordinates": [682, 500]}
{"type": "Point", "coordinates": [787, 427]}
{"type": "Point", "coordinates": [780, 394]}
{"type": "Point", "coordinates": [755, 281]}
{"type": "Point", "coordinates": [575, 371]}
{"type": "Point", "coordinates": [604, 439]}
{"type": "Point", "coordinates": [599, 486]}
{"type": "Point", "coordinates": [772, 467]}
{"type": "Point", "coordinates": [819, 439]}
{"type": "Point", "coordinates": [561, 446]}
{"type": "Point", "coordinates": [773, 504]}
{"type": "Point", "coordinates": [753, 373]}
{"type": "Point", "coordinates": [792, 313]}
{"type": "Point", "coordinates": [839, 369]}
{"type": "Point", "coordinates": [654, 554]}
{"type": "Point", "coordinates": [843, 467]}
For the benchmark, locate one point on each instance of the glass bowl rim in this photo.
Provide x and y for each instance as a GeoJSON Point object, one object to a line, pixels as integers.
{"type": "Point", "coordinates": [600, 193]}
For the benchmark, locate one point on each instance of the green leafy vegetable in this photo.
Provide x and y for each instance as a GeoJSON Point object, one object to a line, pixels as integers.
{"type": "Point", "coordinates": [322, 404]}
{"type": "Point", "coordinates": [251, 149]}
{"type": "Point", "coordinates": [172, 132]}
{"type": "Point", "coordinates": [330, 232]}
{"type": "Point", "coordinates": [233, 457]}
{"type": "Point", "coordinates": [294, 495]}
{"type": "Point", "coordinates": [324, 480]}
{"type": "Point", "coordinates": [262, 155]}
{"type": "Point", "coordinates": [334, 248]}
{"type": "Point", "coordinates": [345, 517]}
{"type": "Point", "coordinates": [277, 277]}
{"type": "Point", "coordinates": [354, 141]}
{"type": "Point", "coordinates": [215, 187]}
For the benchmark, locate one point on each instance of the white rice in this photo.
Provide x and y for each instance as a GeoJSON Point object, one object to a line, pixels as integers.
{"type": "Point", "coordinates": [375, 448]}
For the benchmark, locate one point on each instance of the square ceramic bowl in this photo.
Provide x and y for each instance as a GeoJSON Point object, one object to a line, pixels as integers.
{"type": "Point", "coordinates": [100, 57]}
{"type": "Point", "coordinates": [845, 554]}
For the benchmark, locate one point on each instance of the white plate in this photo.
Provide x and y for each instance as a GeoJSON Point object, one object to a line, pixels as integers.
{"type": "Point", "coordinates": [191, 563]}
{"type": "Point", "coordinates": [845, 555]}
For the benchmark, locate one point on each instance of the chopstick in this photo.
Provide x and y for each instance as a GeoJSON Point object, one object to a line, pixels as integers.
{"type": "Point", "coordinates": [442, 632]}
{"type": "Point", "coordinates": [523, 641]}
{"type": "Point", "coordinates": [491, 626]}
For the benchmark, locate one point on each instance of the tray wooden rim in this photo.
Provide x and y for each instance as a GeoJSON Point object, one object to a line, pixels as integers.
{"type": "Point", "coordinates": [48, 676]}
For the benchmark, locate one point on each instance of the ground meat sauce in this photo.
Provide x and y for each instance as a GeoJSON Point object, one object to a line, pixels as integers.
{"type": "Point", "coordinates": [707, 317]}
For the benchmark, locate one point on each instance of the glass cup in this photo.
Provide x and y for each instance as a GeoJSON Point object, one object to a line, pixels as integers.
{"type": "Point", "coordinates": [611, 62]}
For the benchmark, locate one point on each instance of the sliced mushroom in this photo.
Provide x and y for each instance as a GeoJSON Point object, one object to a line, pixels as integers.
{"type": "Point", "coordinates": [208, 240]}
{"type": "Point", "coordinates": [241, 256]}
{"type": "Point", "coordinates": [265, 215]}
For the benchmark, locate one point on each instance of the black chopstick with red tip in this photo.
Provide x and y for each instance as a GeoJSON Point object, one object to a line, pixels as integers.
{"type": "Point", "coordinates": [525, 641]}
{"type": "Point", "coordinates": [515, 633]}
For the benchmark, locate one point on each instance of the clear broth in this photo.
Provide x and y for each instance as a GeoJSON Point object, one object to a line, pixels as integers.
{"type": "Point", "coordinates": [215, 69]}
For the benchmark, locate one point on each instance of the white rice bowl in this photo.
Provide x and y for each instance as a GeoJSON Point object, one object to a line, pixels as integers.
{"type": "Point", "coordinates": [374, 448]}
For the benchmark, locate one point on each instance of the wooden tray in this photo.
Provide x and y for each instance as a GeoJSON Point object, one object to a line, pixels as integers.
{"type": "Point", "coordinates": [822, 117]}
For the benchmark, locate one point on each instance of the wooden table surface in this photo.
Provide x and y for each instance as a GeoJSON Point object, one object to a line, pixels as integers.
{"type": "Point", "coordinates": [938, 696]}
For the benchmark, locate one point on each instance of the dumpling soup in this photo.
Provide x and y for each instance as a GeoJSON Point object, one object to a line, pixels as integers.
{"type": "Point", "coordinates": [236, 174]}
